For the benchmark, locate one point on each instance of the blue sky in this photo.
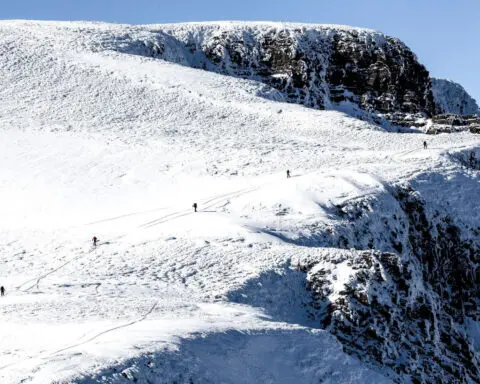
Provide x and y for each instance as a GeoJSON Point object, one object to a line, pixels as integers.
{"type": "Point", "coordinates": [445, 34]}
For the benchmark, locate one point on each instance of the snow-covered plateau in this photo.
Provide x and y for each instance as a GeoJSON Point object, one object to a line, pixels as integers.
{"type": "Point", "coordinates": [362, 267]}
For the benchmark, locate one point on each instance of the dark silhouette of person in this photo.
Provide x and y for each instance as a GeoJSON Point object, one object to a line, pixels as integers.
{"type": "Point", "coordinates": [2, 291]}
{"type": "Point", "coordinates": [288, 173]}
{"type": "Point", "coordinates": [195, 207]}
{"type": "Point", "coordinates": [425, 145]}
{"type": "Point", "coordinates": [95, 241]}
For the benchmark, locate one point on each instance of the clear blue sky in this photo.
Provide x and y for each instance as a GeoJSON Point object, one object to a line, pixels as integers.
{"type": "Point", "coordinates": [445, 34]}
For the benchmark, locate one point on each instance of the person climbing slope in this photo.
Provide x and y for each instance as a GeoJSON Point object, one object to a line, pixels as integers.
{"type": "Point", "coordinates": [95, 241]}
{"type": "Point", "coordinates": [195, 207]}
{"type": "Point", "coordinates": [2, 290]}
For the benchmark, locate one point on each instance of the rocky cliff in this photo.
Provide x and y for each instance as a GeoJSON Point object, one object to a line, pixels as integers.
{"type": "Point", "coordinates": [359, 71]}
{"type": "Point", "coordinates": [362, 72]}
{"type": "Point", "coordinates": [404, 297]}
{"type": "Point", "coordinates": [449, 123]}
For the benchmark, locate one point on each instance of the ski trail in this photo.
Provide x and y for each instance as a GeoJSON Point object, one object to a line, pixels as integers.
{"type": "Point", "coordinates": [181, 213]}
{"type": "Point", "coordinates": [47, 355]}
{"type": "Point", "coordinates": [172, 216]}
{"type": "Point", "coordinates": [404, 153]}
{"type": "Point", "coordinates": [443, 149]}
{"type": "Point", "coordinates": [161, 221]}
{"type": "Point", "coordinates": [210, 203]}
{"type": "Point", "coordinates": [168, 217]}
{"type": "Point", "coordinates": [207, 204]}
{"type": "Point", "coordinates": [40, 278]}
{"type": "Point", "coordinates": [144, 317]}
{"type": "Point", "coordinates": [126, 215]}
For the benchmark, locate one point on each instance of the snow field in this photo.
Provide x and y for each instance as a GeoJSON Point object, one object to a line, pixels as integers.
{"type": "Point", "coordinates": [100, 142]}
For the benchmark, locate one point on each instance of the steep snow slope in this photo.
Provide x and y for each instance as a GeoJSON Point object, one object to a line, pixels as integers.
{"type": "Point", "coordinates": [451, 97]}
{"type": "Point", "coordinates": [98, 141]}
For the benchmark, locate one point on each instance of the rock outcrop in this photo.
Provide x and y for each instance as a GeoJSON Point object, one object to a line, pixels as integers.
{"type": "Point", "coordinates": [449, 123]}
{"type": "Point", "coordinates": [405, 303]}
{"type": "Point", "coordinates": [362, 72]}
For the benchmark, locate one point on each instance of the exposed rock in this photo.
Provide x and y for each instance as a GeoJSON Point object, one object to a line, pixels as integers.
{"type": "Point", "coordinates": [475, 129]}
{"type": "Point", "coordinates": [378, 74]}
{"type": "Point", "coordinates": [468, 158]}
{"type": "Point", "coordinates": [360, 71]}
{"type": "Point", "coordinates": [449, 123]}
{"type": "Point", "coordinates": [456, 120]}
{"type": "Point", "coordinates": [405, 308]}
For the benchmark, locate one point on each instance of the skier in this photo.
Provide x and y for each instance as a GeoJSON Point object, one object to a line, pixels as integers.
{"type": "Point", "coordinates": [424, 145]}
{"type": "Point", "coordinates": [95, 241]}
{"type": "Point", "coordinates": [2, 291]}
{"type": "Point", "coordinates": [195, 207]}
{"type": "Point", "coordinates": [288, 173]}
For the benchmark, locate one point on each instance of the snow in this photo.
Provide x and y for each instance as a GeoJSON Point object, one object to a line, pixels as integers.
{"type": "Point", "coordinates": [451, 97]}
{"type": "Point", "coordinates": [94, 141]}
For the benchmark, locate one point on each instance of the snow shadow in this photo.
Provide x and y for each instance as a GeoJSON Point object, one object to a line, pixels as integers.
{"type": "Point", "coordinates": [260, 356]}
{"type": "Point", "coordinates": [312, 240]}
{"type": "Point", "coordinates": [281, 293]}
{"type": "Point", "coordinates": [469, 158]}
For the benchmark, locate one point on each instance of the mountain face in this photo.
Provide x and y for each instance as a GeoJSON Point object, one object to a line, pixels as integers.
{"type": "Point", "coordinates": [317, 66]}
{"type": "Point", "coordinates": [452, 98]}
{"type": "Point", "coordinates": [359, 71]}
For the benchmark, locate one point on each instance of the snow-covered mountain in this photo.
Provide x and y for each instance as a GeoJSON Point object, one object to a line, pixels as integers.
{"type": "Point", "coordinates": [451, 97]}
{"type": "Point", "coordinates": [361, 267]}
{"type": "Point", "coordinates": [357, 70]}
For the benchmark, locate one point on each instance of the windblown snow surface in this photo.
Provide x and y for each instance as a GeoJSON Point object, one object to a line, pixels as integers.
{"type": "Point", "coordinates": [98, 141]}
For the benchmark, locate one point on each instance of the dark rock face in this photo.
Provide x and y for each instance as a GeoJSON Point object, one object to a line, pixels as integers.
{"type": "Point", "coordinates": [405, 304]}
{"type": "Point", "coordinates": [467, 158]}
{"type": "Point", "coordinates": [448, 123]}
{"type": "Point", "coordinates": [274, 58]}
{"type": "Point", "coordinates": [317, 66]}
{"type": "Point", "coordinates": [361, 72]}
{"type": "Point", "coordinates": [384, 77]}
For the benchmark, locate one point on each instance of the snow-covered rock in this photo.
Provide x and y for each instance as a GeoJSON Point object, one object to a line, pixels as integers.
{"type": "Point", "coordinates": [452, 98]}
{"type": "Point", "coordinates": [405, 302]}
{"type": "Point", "coordinates": [319, 66]}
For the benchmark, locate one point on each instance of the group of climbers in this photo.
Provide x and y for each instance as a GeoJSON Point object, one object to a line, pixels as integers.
{"type": "Point", "coordinates": [425, 146]}
{"type": "Point", "coordinates": [195, 205]}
